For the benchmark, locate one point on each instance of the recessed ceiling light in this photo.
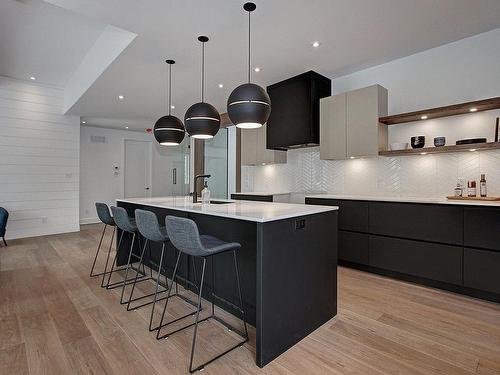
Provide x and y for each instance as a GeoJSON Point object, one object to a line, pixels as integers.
{"type": "Point", "coordinates": [473, 109]}
{"type": "Point", "coordinates": [423, 153]}
{"type": "Point", "coordinates": [121, 97]}
{"type": "Point", "coordinates": [472, 150]}
{"type": "Point", "coordinates": [315, 44]}
{"type": "Point", "coordinates": [256, 69]}
{"type": "Point", "coordinates": [172, 106]}
{"type": "Point", "coordinates": [84, 122]}
{"type": "Point", "coordinates": [221, 85]}
{"type": "Point", "coordinates": [33, 78]}
{"type": "Point", "coordinates": [424, 117]}
{"type": "Point", "coordinates": [352, 157]}
{"type": "Point", "coordinates": [126, 127]}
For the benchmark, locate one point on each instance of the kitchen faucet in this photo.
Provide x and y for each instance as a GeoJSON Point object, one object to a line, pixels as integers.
{"type": "Point", "coordinates": [195, 192]}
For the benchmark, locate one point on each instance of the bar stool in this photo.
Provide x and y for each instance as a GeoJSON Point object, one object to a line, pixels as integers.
{"type": "Point", "coordinates": [127, 225]}
{"type": "Point", "coordinates": [150, 229]}
{"type": "Point", "coordinates": [184, 235]}
{"type": "Point", "coordinates": [106, 218]}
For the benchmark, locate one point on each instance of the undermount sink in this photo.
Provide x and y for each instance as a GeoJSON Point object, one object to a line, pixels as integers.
{"type": "Point", "coordinates": [220, 202]}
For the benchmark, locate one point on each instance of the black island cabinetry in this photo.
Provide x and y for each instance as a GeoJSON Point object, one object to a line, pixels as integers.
{"type": "Point", "coordinates": [448, 246]}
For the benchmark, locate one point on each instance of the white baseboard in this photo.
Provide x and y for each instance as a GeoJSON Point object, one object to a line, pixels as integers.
{"type": "Point", "coordinates": [89, 220]}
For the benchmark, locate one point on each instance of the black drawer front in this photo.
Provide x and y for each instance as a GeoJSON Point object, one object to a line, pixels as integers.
{"type": "Point", "coordinates": [353, 215]}
{"type": "Point", "coordinates": [251, 197]}
{"type": "Point", "coordinates": [431, 261]}
{"type": "Point", "coordinates": [437, 223]}
{"type": "Point", "coordinates": [482, 270]}
{"type": "Point", "coordinates": [353, 247]}
{"type": "Point", "coordinates": [482, 227]}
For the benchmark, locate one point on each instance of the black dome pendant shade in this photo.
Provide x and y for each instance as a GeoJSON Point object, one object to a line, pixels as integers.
{"type": "Point", "coordinates": [202, 119]}
{"type": "Point", "coordinates": [169, 130]}
{"type": "Point", "coordinates": [249, 105]}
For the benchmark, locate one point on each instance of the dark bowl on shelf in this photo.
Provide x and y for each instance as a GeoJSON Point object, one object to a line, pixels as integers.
{"type": "Point", "coordinates": [439, 141]}
{"type": "Point", "coordinates": [418, 142]}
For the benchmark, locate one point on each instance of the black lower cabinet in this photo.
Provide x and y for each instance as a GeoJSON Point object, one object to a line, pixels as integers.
{"type": "Point", "coordinates": [453, 247]}
{"type": "Point", "coordinates": [482, 227]}
{"type": "Point", "coordinates": [482, 270]}
{"type": "Point", "coordinates": [353, 247]}
{"type": "Point", "coordinates": [422, 259]}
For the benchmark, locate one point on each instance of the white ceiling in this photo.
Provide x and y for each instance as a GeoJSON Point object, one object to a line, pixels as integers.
{"type": "Point", "coordinates": [40, 40]}
{"type": "Point", "coordinates": [354, 35]}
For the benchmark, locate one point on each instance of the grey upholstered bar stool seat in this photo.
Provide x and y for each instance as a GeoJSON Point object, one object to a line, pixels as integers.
{"type": "Point", "coordinates": [106, 218]}
{"type": "Point", "coordinates": [129, 226]}
{"type": "Point", "coordinates": [185, 236]}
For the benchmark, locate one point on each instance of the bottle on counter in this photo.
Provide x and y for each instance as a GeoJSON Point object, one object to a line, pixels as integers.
{"type": "Point", "coordinates": [205, 194]}
{"type": "Point", "coordinates": [482, 185]}
{"type": "Point", "coordinates": [458, 190]}
{"type": "Point", "coordinates": [471, 188]}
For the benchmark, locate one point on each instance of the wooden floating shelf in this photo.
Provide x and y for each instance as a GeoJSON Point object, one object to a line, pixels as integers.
{"type": "Point", "coordinates": [450, 110]}
{"type": "Point", "coordinates": [443, 149]}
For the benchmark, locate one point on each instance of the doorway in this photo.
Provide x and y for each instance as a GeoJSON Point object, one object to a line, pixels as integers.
{"type": "Point", "coordinates": [137, 169]}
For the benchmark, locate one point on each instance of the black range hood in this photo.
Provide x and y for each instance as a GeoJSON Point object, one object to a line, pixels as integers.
{"type": "Point", "coordinates": [294, 120]}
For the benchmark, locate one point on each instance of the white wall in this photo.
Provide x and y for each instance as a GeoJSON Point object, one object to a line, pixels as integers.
{"type": "Point", "coordinates": [98, 182]}
{"type": "Point", "coordinates": [39, 160]}
{"type": "Point", "coordinates": [458, 72]}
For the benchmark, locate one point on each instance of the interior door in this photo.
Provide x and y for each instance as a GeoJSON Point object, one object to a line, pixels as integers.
{"type": "Point", "coordinates": [137, 171]}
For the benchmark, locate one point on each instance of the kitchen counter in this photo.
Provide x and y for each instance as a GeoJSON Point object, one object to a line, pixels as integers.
{"type": "Point", "coordinates": [381, 198]}
{"type": "Point", "coordinates": [287, 263]}
{"type": "Point", "coordinates": [260, 212]}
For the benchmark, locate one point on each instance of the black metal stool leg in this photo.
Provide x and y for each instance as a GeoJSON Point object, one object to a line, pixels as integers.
{"type": "Point", "coordinates": [97, 253]}
{"type": "Point", "coordinates": [126, 274]}
{"type": "Point", "coordinates": [229, 327]}
{"type": "Point", "coordinates": [136, 276]}
{"type": "Point", "coordinates": [160, 266]}
{"type": "Point", "coordinates": [197, 318]}
{"type": "Point", "coordinates": [158, 337]}
{"type": "Point", "coordinates": [110, 273]}
{"type": "Point", "coordinates": [239, 295]}
{"type": "Point", "coordinates": [118, 284]}
{"type": "Point", "coordinates": [107, 258]}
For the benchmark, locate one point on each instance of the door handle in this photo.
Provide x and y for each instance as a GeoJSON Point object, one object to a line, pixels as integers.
{"type": "Point", "coordinates": [174, 176]}
{"type": "Point", "coordinates": [147, 188]}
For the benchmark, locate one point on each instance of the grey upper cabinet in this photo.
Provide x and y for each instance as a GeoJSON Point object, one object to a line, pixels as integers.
{"type": "Point", "coordinates": [254, 151]}
{"type": "Point", "coordinates": [248, 147]}
{"type": "Point", "coordinates": [349, 125]}
{"type": "Point", "coordinates": [333, 127]}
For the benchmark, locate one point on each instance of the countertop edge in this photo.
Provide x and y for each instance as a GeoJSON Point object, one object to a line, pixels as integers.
{"type": "Point", "coordinates": [318, 210]}
{"type": "Point", "coordinates": [406, 200]}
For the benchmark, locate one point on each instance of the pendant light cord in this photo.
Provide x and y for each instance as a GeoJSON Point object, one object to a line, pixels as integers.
{"type": "Point", "coordinates": [170, 89]}
{"type": "Point", "coordinates": [202, 72]}
{"type": "Point", "coordinates": [249, 47]}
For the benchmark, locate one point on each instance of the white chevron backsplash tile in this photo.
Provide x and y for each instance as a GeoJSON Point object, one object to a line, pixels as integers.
{"type": "Point", "coordinates": [416, 176]}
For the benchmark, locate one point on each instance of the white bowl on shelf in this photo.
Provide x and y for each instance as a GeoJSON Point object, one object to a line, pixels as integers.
{"type": "Point", "coordinates": [399, 146]}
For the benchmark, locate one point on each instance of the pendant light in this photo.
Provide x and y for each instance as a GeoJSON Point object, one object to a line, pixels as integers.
{"type": "Point", "coordinates": [169, 130]}
{"type": "Point", "coordinates": [249, 105]}
{"type": "Point", "coordinates": [202, 119]}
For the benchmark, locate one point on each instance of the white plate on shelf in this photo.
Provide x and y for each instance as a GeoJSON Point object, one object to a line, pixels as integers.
{"type": "Point", "coordinates": [399, 146]}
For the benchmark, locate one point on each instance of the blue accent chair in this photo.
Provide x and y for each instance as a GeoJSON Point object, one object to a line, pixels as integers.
{"type": "Point", "coordinates": [4, 216]}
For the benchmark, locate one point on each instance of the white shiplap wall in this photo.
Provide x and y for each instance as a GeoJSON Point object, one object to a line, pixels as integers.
{"type": "Point", "coordinates": [39, 160]}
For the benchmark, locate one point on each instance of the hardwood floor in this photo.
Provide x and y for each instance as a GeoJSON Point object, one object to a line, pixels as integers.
{"type": "Point", "coordinates": [54, 319]}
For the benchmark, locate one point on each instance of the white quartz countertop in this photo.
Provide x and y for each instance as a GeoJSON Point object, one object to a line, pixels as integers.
{"type": "Point", "coordinates": [266, 193]}
{"type": "Point", "coordinates": [243, 210]}
{"type": "Point", "coordinates": [431, 200]}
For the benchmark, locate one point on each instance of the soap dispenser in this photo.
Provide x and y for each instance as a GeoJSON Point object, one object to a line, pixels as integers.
{"type": "Point", "coordinates": [205, 194]}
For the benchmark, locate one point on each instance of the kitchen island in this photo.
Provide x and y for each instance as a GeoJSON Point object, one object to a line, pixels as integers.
{"type": "Point", "coordinates": [288, 263]}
